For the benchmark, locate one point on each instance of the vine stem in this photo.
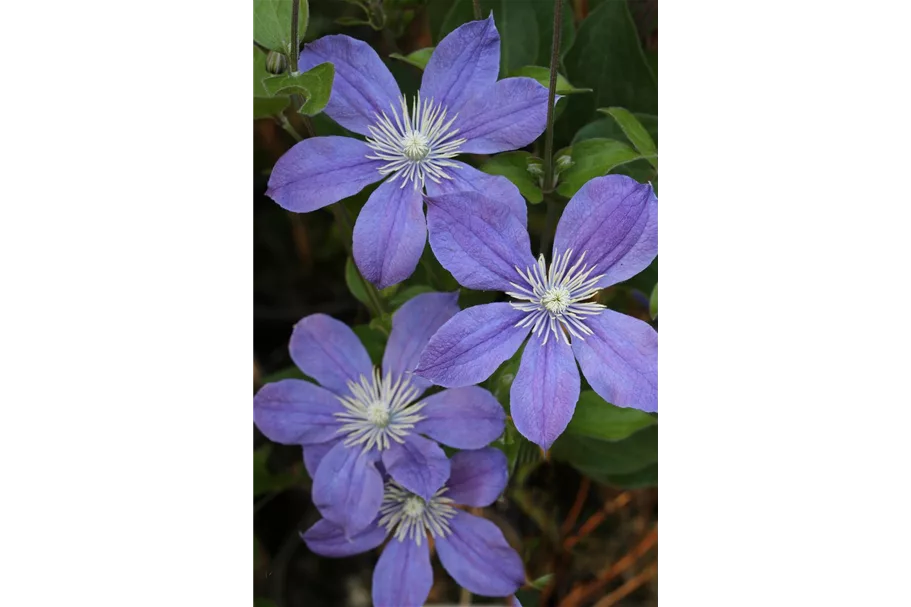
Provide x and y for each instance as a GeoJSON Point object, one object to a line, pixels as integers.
{"type": "Point", "coordinates": [548, 185]}
{"type": "Point", "coordinates": [294, 54]}
{"type": "Point", "coordinates": [477, 9]}
{"type": "Point", "coordinates": [551, 98]}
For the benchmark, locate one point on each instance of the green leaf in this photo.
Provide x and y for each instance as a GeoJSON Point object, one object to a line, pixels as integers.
{"type": "Point", "coordinates": [544, 10]}
{"type": "Point", "coordinates": [288, 373]}
{"type": "Point", "coordinates": [593, 158]}
{"type": "Point", "coordinates": [542, 75]}
{"type": "Point", "coordinates": [264, 480]}
{"type": "Point", "coordinates": [355, 284]}
{"type": "Point", "coordinates": [608, 57]}
{"type": "Point", "coordinates": [374, 341]}
{"type": "Point", "coordinates": [597, 458]}
{"type": "Point", "coordinates": [524, 26]}
{"type": "Point", "coordinates": [400, 299]}
{"type": "Point", "coordinates": [607, 128]}
{"type": "Point", "coordinates": [264, 105]}
{"type": "Point", "coordinates": [315, 85]}
{"type": "Point", "coordinates": [418, 58]}
{"type": "Point", "coordinates": [645, 477]}
{"type": "Point", "coordinates": [528, 597]}
{"type": "Point", "coordinates": [635, 132]}
{"type": "Point", "coordinates": [542, 582]}
{"type": "Point", "coordinates": [501, 380]}
{"type": "Point", "coordinates": [596, 418]}
{"type": "Point", "coordinates": [514, 166]}
{"type": "Point", "coordinates": [272, 24]}
{"type": "Point", "coordinates": [653, 302]}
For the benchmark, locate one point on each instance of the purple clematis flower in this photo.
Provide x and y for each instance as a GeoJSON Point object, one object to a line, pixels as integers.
{"type": "Point", "coordinates": [460, 108]}
{"type": "Point", "coordinates": [472, 549]}
{"type": "Point", "coordinates": [608, 233]}
{"type": "Point", "coordinates": [361, 417]}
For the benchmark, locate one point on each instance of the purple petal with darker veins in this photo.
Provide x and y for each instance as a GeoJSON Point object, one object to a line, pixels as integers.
{"type": "Point", "coordinates": [347, 489]}
{"type": "Point", "coordinates": [620, 360]}
{"type": "Point", "coordinates": [329, 352]}
{"type": "Point", "coordinates": [321, 170]}
{"type": "Point", "coordinates": [463, 65]}
{"type": "Point", "coordinates": [296, 412]}
{"type": "Point", "coordinates": [477, 478]}
{"type": "Point", "coordinates": [418, 465]}
{"type": "Point", "coordinates": [328, 539]}
{"type": "Point", "coordinates": [477, 556]}
{"type": "Point", "coordinates": [614, 221]}
{"type": "Point", "coordinates": [403, 575]}
{"type": "Point", "coordinates": [472, 344]}
{"type": "Point", "coordinates": [464, 418]}
{"type": "Point", "coordinates": [466, 178]}
{"type": "Point", "coordinates": [412, 327]}
{"type": "Point", "coordinates": [545, 391]}
{"type": "Point", "coordinates": [479, 240]}
{"type": "Point", "coordinates": [511, 115]}
{"type": "Point", "coordinates": [390, 233]}
{"type": "Point", "coordinates": [362, 86]}
{"type": "Point", "coordinates": [314, 454]}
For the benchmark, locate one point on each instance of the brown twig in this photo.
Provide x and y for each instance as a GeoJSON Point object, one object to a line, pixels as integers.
{"type": "Point", "coordinates": [597, 518]}
{"type": "Point", "coordinates": [581, 593]}
{"type": "Point", "coordinates": [574, 512]}
{"type": "Point", "coordinates": [627, 588]}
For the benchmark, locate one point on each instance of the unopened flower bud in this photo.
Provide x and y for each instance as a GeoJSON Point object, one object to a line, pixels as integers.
{"type": "Point", "coordinates": [535, 167]}
{"type": "Point", "coordinates": [276, 63]}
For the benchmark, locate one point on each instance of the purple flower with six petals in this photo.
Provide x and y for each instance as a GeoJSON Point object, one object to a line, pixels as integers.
{"type": "Point", "coordinates": [608, 233]}
{"type": "Point", "coordinates": [472, 549]}
{"type": "Point", "coordinates": [461, 108]}
{"type": "Point", "coordinates": [361, 416]}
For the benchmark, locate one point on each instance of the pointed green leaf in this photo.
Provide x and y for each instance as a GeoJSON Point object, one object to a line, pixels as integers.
{"type": "Point", "coordinates": [374, 341]}
{"type": "Point", "coordinates": [542, 75]}
{"type": "Point", "coordinates": [514, 166]}
{"type": "Point", "coordinates": [608, 57]}
{"type": "Point", "coordinates": [355, 284]}
{"type": "Point", "coordinates": [418, 58]}
{"type": "Point", "coordinates": [314, 85]}
{"type": "Point", "coordinates": [596, 418]}
{"type": "Point", "coordinates": [593, 158]}
{"type": "Point", "coordinates": [595, 457]}
{"type": "Point", "coordinates": [635, 132]}
{"type": "Point", "coordinates": [264, 105]}
{"type": "Point", "coordinates": [272, 24]}
{"type": "Point", "coordinates": [401, 298]}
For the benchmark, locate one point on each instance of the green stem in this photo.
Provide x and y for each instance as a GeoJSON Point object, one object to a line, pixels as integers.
{"type": "Point", "coordinates": [289, 128]}
{"type": "Point", "coordinates": [477, 9]}
{"type": "Point", "coordinates": [550, 224]}
{"type": "Point", "coordinates": [551, 98]}
{"type": "Point", "coordinates": [295, 45]}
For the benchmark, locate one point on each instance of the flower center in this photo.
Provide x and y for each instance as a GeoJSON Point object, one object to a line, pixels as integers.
{"type": "Point", "coordinates": [378, 410]}
{"type": "Point", "coordinates": [408, 516]}
{"type": "Point", "coordinates": [555, 298]}
{"type": "Point", "coordinates": [413, 507]}
{"type": "Point", "coordinates": [416, 143]}
{"type": "Point", "coordinates": [378, 414]}
{"type": "Point", "coordinates": [415, 147]}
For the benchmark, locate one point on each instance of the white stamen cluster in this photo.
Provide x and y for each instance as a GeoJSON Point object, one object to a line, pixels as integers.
{"type": "Point", "coordinates": [555, 297]}
{"type": "Point", "coordinates": [378, 410]}
{"type": "Point", "coordinates": [417, 145]}
{"type": "Point", "coordinates": [409, 516]}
